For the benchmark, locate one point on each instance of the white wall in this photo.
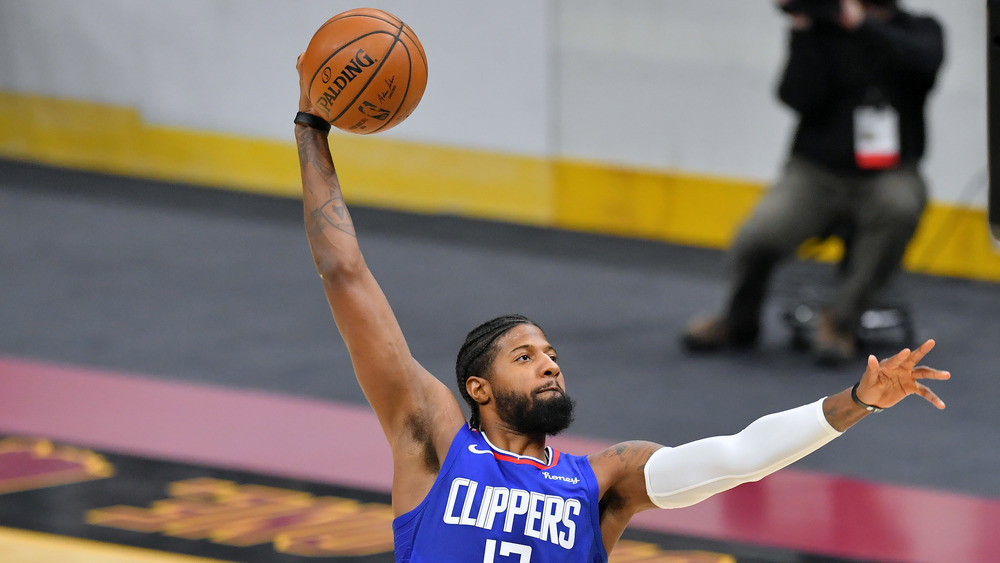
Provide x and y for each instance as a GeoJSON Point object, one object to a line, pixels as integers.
{"type": "Point", "coordinates": [677, 85]}
{"type": "Point", "coordinates": [683, 85]}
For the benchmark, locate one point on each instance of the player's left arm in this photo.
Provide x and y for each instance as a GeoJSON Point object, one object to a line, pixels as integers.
{"type": "Point", "coordinates": [636, 476]}
{"type": "Point", "coordinates": [917, 49]}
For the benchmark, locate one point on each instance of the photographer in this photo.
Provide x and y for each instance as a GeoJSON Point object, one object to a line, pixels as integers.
{"type": "Point", "coordinates": [858, 75]}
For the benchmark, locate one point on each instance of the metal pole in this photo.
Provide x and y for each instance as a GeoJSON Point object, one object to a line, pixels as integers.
{"type": "Point", "coordinates": [993, 111]}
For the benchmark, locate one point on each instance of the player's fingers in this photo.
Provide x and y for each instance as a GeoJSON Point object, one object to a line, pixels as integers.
{"type": "Point", "coordinates": [914, 357]}
{"type": "Point", "coordinates": [924, 372]}
{"type": "Point", "coordinates": [931, 397]}
{"type": "Point", "coordinates": [871, 370]}
{"type": "Point", "coordinates": [896, 360]}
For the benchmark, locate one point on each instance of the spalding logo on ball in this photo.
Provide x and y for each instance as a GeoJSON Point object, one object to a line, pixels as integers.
{"type": "Point", "coordinates": [366, 71]}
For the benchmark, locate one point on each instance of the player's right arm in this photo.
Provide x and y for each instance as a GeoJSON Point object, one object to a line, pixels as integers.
{"type": "Point", "coordinates": [417, 412]}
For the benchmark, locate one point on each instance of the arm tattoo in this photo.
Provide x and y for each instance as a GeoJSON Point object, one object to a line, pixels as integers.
{"type": "Point", "coordinates": [310, 153]}
{"type": "Point", "coordinates": [631, 455]}
{"type": "Point", "coordinates": [334, 213]}
{"type": "Point", "coordinates": [842, 417]}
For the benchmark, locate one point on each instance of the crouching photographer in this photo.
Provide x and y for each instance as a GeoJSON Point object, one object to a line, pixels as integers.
{"type": "Point", "coordinates": [858, 75]}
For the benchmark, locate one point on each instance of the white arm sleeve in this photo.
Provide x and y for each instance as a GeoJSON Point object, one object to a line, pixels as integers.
{"type": "Point", "coordinates": [688, 474]}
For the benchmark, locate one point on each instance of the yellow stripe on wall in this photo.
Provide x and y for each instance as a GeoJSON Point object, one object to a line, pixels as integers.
{"type": "Point", "coordinates": [673, 207]}
{"type": "Point", "coordinates": [116, 140]}
{"type": "Point", "coordinates": [678, 208]}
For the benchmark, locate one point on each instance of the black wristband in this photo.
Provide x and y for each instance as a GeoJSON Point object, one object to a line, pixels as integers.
{"type": "Point", "coordinates": [862, 404]}
{"type": "Point", "coordinates": [314, 121]}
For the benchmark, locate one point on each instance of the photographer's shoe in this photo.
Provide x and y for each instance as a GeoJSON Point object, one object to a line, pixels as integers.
{"type": "Point", "coordinates": [708, 334]}
{"type": "Point", "coordinates": [832, 345]}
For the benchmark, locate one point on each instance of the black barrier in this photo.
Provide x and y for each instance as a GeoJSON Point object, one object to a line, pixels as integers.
{"type": "Point", "coordinates": [993, 110]}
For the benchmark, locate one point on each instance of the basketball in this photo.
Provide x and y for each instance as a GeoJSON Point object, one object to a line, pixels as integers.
{"type": "Point", "coordinates": [366, 71]}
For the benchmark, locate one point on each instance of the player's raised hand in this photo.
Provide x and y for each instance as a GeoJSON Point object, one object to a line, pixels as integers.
{"type": "Point", "coordinates": [890, 381]}
{"type": "Point", "coordinates": [305, 103]}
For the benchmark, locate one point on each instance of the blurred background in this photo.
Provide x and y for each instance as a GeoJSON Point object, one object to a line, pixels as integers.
{"type": "Point", "coordinates": [652, 120]}
{"type": "Point", "coordinates": [584, 162]}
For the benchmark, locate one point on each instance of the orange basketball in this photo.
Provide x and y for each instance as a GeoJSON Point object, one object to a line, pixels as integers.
{"type": "Point", "coordinates": [366, 71]}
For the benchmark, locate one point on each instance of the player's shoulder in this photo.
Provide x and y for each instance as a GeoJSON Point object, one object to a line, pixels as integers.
{"type": "Point", "coordinates": [622, 457]}
{"type": "Point", "coordinates": [621, 478]}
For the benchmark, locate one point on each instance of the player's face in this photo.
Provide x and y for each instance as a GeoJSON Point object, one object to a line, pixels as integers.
{"type": "Point", "coordinates": [528, 385]}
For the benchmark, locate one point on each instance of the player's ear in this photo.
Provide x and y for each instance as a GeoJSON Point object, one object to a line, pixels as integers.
{"type": "Point", "coordinates": [479, 389]}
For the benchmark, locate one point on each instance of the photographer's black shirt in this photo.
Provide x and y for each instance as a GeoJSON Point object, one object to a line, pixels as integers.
{"type": "Point", "coordinates": [831, 71]}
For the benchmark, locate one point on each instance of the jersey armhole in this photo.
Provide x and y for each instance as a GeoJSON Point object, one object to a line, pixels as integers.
{"type": "Point", "coordinates": [463, 436]}
{"type": "Point", "coordinates": [594, 490]}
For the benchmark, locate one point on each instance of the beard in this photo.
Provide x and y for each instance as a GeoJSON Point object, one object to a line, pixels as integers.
{"type": "Point", "coordinates": [535, 417]}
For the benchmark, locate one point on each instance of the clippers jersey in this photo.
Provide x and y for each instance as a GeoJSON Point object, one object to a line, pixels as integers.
{"type": "Point", "coordinates": [493, 506]}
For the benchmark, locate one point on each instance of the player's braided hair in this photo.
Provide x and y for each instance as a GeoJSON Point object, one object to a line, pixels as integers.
{"type": "Point", "coordinates": [479, 351]}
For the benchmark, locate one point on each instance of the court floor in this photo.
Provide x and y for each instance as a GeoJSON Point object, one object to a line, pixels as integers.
{"type": "Point", "coordinates": [172, 387]}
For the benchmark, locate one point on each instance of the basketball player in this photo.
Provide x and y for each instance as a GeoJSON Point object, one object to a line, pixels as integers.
{"type": "Point", "coordinates": [489, 489]}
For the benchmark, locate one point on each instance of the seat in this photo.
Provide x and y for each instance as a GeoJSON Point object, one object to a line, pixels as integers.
{"type": "Point", "coordinates": [888, 321]}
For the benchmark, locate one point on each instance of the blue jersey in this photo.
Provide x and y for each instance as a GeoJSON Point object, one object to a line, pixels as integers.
{"type": "Point", "coordinates": [497, 507]}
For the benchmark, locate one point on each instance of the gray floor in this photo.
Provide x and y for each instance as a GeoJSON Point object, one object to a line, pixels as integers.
{"type": "Point", "coordinates": [219, 287]}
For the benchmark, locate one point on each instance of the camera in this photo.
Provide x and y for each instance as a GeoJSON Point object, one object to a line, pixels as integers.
{"type": "Point", "coordinates": [816, 10]}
